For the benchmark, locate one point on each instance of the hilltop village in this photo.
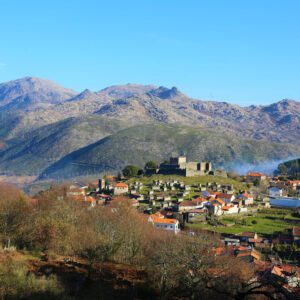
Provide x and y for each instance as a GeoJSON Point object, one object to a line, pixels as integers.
{"type": "Point", "coordinates": [255, 216]}
{"type": "Point", "coordinates": [179, 220]}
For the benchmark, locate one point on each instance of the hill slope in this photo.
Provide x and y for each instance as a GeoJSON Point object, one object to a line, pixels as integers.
{"type": "Point", "coordinates": [40, 124]}
{"type": "Point", "coordinates": [31, 153]}
{"type": "Point", "coordinates": [291, 168]}
{"type": "Point", "coordinates": [157, 142]}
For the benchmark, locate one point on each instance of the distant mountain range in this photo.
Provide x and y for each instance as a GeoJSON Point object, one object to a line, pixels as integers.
{"type": "Point", "coordinates": [50, 131]}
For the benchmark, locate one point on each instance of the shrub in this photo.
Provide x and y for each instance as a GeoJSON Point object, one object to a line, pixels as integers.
{"type": "Point", "coordinates": [132, 171]}
{"type": "Point", "coordinates": [17, 283]}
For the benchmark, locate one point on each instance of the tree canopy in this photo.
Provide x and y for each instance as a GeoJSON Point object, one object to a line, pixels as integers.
{"type": "Point", "coordinates": [150, 165]}
{"type": "Point", "coordinates": [132, 171]}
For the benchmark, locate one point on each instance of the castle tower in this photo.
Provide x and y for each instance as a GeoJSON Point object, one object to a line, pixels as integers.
{"type": "Point", "coordinates": [101, 184]}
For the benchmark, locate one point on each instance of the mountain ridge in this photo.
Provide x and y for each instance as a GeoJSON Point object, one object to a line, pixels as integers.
{"type": "Point", "coordinates": [30, 107]}
{"type": "Point", "coordinates": [28, 91]}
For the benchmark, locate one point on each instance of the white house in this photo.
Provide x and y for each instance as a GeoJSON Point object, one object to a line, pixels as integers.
{"type": "Point", "coordinates": [230, 209]}
{"type": "Point", "coordinates": [216, 209]}
{"type": "Point", "coordinates": [246, 199]}
{"type": "Point", "coordinates": [160, 222]}
{"type": "Point", "coordinates": [120, 188]}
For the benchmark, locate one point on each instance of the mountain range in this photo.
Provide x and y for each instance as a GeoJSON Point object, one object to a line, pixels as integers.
{"type": "Point", "coordinates": [54, 132]}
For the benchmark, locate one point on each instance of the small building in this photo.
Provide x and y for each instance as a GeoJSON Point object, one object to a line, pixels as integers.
{"type": "Point", "coordinates": [196, 215]}
{"type": "Point", "coordinates": [160, 222]}
{"type": "Point", "coordinates": [245, 236]}
{"type": "Point", "coordinates": [294, 184]}
{"type": "Point", "coordinates": [296, 235]}
{"type": "Point", "coordinates": [218, 201]}
{"type": "Point", "coordinates": [216, 208]}
{"type": "Point", "coordinates": [231, 241]}
{"type": "Point", "coordinates": [120, 188]}
{"type": "Point", "coordinates": [230, 209]}
{"type": "Point", "coordinates": [189, 205]}
{"type": "Point", "coordinates": [255, 176]}
{"type": "Point", "coordinates": [227, 198]}
{"type": "Point", "coordinates": [246, 199]}
{"type": "Point", "coordinates": [77, 189]}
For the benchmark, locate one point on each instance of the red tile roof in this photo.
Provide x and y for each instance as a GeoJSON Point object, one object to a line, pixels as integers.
{"type": "Point", "coordinates": [255, 174]}
{"type": "Point", "coordinates": [220, 201]}
{"type": "Point", "coordinates": [121, 185]}
{"type": "Point", "coordinates": [188, 203]}
{"type": "Point", "coordinates": [226, 207]}
{"type": "Point", "coordinates": [248, 234]}
{"type": "Point", "coordinates": [158, 219]}
{"type": "Point", "coordinates": [199, 199]}
{"type": "Point", "coordinates": [225, 196]}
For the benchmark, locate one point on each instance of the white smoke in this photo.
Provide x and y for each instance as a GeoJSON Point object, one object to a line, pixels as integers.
{"type": "Point", "coordinates": [267, 167]}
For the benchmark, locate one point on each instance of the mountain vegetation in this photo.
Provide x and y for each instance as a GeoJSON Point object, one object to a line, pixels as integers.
{"type": "Point", "coordinates": [290, 168]}
{"type": "Point", "coordinates": [31, 153]}
{"type": "Point", "coordinates": [157, 142]}
{"type": "Point", "coordinates": [43, 126]}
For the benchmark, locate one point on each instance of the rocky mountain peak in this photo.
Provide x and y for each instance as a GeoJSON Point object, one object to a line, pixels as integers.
{"type": "Point", "coordinates": [83, 95]}
{"type": "Point", "coordinates": [165, 93]}
{"type": "Point", "coordinates": [32, 90]}
{"type": "Point", "coordinates": [282, 106]}
{"type": "Point", "coordinates": [126, 91]}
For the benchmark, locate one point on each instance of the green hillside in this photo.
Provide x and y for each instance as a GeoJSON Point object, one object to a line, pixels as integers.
{"type": "Point", "coordinates": [291, 168]}
{"type": "Point", "coordinates": [31, 153]}
{"type": "Point", "coordinates": [158, 142]}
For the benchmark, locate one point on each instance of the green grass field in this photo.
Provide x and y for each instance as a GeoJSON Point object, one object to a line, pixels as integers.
{"type": "Point", "coordinates": [268, 222]}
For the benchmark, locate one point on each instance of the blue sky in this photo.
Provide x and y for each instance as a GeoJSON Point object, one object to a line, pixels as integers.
{"type": "Point", "coordinates": [240, 51]}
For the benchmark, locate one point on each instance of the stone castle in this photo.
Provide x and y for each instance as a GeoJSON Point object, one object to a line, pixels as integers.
{"type": "Point", "coordinates": [180, 166]}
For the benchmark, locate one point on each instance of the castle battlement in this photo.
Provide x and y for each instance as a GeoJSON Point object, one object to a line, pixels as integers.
{"type": "Point", "coordinates": [180, 166]}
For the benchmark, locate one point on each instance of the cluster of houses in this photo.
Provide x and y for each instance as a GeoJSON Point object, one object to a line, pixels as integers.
{"type": "Point", "coordinates": [178, 202]}
{"type": "Point", "coordinates": [281, 193]}
{"type": "Point", "coordinates": [281, 188]}
{"type": "Point", "coordinates": [188, 203]}
{"type": "Point", "coordinates": [170, 203]}
{"type": "Point", "coordinates": [284, 193]}
{"type": "Point", "coordinates": [252, 248]}
{"type": "Point", "coordinates": [252, 240]}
